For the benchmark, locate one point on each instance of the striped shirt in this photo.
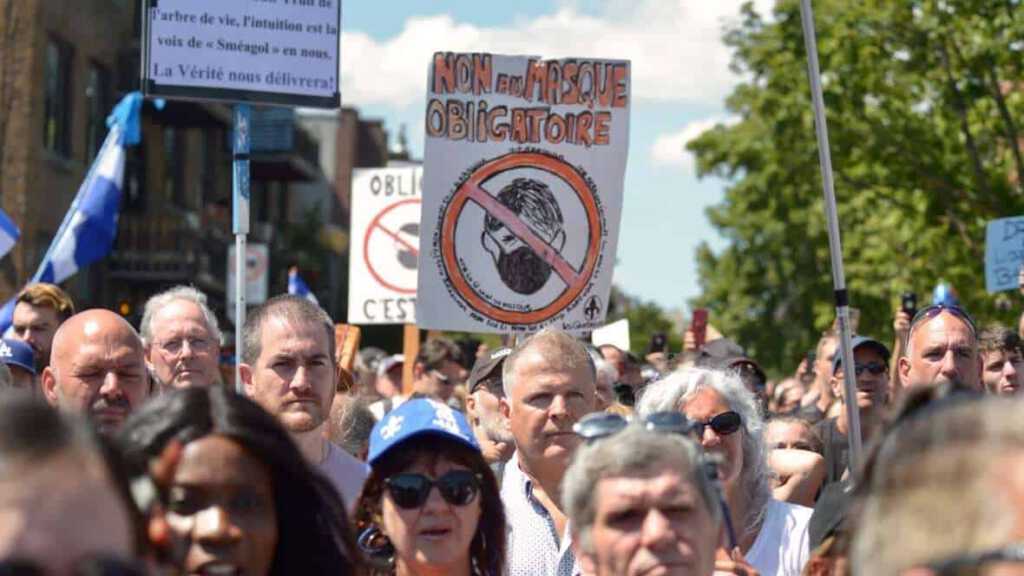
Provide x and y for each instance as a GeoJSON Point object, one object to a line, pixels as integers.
{"type": "Point", "coordinates": [534, 548]}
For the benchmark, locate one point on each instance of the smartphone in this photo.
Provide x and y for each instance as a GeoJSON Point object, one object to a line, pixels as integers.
{"type": "Point", "coordinates": [659, 343]}
{"type": "Point", "coordinates": [908, 303]}
{"type": "Point", "coordinates": [699, 326]}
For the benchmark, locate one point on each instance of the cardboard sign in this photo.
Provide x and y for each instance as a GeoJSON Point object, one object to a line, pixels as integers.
{"type": "Point", "coordinates": [384, 256]}
{"type": "Point", "coordinates": [257, 258]}
{"type": "Point", "coordinates": [1004, 253]}
{"type": "Point", "coordinates": [271, 51]}
{"type": "Point", "coordinates": [524, 167]}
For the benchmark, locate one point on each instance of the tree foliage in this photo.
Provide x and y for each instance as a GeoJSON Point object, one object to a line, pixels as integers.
{"type": "Point", "coordinates": [924, 101]}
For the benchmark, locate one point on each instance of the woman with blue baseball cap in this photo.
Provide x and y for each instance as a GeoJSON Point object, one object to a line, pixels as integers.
{"type": "Point", "coordinates": [431, 503]}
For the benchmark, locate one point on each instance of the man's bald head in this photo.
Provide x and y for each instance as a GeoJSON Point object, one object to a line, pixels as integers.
{"type": "Point", "coordinates": [97, 366]}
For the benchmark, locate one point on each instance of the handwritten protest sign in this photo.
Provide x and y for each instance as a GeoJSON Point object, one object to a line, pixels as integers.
{"type": "Point", "coordinates": [524, 166]}
{"type": "Point", "coordinates": [1004, 253]}
{"type": "Point", "coordinates": [273, 51]}
{"type": "Point", "coordinates": [384, 255]}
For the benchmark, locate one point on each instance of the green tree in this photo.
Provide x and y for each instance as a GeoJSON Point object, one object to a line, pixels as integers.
{"type": "Point", "coordinates": [923, 100]}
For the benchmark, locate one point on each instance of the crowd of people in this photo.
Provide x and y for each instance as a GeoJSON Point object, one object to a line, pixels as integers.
{"type": "Point", "coordinates": [127, 451]}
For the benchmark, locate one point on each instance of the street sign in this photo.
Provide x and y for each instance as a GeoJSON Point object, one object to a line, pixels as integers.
{"type": "Point", "coordinates": [384, 256]}
{"type": "Point", "coordinates": [276, 52]}
{"type": "Point", "coordinates": [523, 175]}
{"type": "Point", "coordinates": [256, 276]}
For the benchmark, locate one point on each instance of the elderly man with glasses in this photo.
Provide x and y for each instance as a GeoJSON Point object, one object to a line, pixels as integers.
{"type": "Point", "coordinates": [181, 339]}
{"type": "Point", "coordinates": [942, 350]}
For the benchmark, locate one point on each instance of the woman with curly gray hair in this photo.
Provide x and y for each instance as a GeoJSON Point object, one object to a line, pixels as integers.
{"type": "Point", "coordinates": [771, 535]}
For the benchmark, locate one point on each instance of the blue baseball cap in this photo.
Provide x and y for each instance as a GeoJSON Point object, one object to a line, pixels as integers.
{"type": "Point", "coordinates": [17, 353]}
{"type": "Point", "coordinates": [857, 342]}
{"type": "Point", "coordinates": [419, 417]}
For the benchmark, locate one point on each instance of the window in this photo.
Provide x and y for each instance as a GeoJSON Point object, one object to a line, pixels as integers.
{"type": "Point", "coordinates": [97, 98]}
{"type": "Point", "coordinates": [56, 99]}
{"type": "Point", "coordinates": [174, 162]}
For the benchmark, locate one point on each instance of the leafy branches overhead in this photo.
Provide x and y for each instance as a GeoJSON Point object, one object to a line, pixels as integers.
{"type": "Point", "coordinates": [924, 101]}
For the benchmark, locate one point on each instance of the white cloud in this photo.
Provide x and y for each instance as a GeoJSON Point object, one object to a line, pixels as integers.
{"type": "Point", "coordinates": [675, 48]}
{"type": "Point", "coordinates": [670, 149]}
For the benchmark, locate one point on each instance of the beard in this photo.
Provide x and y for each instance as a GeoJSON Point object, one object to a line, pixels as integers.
{"type": "Point", "coordinates": [523, 271]}
{"type": "Point", "coordinates": [495, 430]}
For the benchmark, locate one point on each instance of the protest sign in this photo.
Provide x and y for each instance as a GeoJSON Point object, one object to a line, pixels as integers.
{"type": "Point", "coordinates": [524, 166]}
{"type": "Point", "coordinates": [615, 334]}
{"type": "Point", "coordinates": [384, 255]}
{"type": "Point", "coordinates": [271, 51]}
{"type": "Point", "coordinates": [1004, 253]}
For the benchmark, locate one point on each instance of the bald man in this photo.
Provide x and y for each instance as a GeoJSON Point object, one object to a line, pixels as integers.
{"type": "Point", "coordinates": [97, 367]}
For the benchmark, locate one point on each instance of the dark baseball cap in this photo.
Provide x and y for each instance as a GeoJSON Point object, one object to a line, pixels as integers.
{"type": "Point", "coordinates": [724, 354]}
{"type": "Point", "coordinates": [486, 366]}
{"type": "Point", "coordinates": [17, 353]}
{"type": "Point", "coordinates": [857, 342]}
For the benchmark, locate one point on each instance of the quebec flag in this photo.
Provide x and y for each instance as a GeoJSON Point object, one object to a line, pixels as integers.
{"type": "Point", "coordinates": [88, 231]}
{"type": "Point", "coordinates": [8, 234]}
{"type": "Point", "coordinates": [298, 287]}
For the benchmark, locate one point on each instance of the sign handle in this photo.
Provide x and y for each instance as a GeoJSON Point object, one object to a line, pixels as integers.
{"type": "Point", "coordinates": [240, 225]}
{"type": "Point", "coordinates": [411, 348]}
{"type": "Point", "coordinates": [835, 245]}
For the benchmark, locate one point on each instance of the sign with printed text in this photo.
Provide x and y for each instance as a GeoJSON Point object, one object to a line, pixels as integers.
{"type": "Point", "coordinates": [271, 51]}
{"type": "Point", "coordinates": [1004, 253]}
{"type": "Point", "coordinates": [257, 262]}
{"type": "Point", "coordinates": [385, 250]}
{"type": "Point", "coordinates": [523, 177]}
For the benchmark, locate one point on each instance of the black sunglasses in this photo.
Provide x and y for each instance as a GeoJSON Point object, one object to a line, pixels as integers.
{"type": "Point", "coordinates": [603, 424]}
{"type": "Point", "coordinates": [934, 310]}
{"type": "Point", "coordinates": [458, 488]}
{"type": "Point", "coordinates": [723, 424]}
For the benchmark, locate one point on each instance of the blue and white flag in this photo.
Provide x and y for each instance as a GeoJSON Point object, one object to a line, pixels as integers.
{"type": "Point", "coordinates": [88, 231]}
{"type": "Point", "coordinates": [298, 287]}
{"type": "Point", "coordinates": [9, 234]}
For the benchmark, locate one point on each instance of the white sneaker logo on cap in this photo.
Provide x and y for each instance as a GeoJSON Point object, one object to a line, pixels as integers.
{"type": "Point", "coordinates": [394, 426]}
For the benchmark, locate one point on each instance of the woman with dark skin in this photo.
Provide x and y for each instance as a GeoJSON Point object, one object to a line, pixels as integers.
{"type": "Point", "coordinates": [235, 497]}
{"type": "Point", "coordinates": [431, 503]}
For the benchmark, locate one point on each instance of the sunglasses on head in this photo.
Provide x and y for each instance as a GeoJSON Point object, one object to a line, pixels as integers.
{"type": "Point", "coordinates": [925, 314]}
{"type": "Point", "coordinates": [723, 424]}
{"type": "Point", "coordinates": [604, 424]}
{"type": "Point", "coordinates": [458, 488]}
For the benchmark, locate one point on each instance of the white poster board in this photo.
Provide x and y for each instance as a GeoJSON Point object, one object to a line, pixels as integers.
{"type": "Point", "coordinates": [523, 176]}
{"type": "Point", "coordinates": [616, 334]}
{"type": "Point", "coordinates": [1004, 253]}
{"type": "Point", "coordinates": [273, 51]}
{"type": "Point", "coordinates": [385, 245]}
{"type": "Point", "coordinates": [257, 276]}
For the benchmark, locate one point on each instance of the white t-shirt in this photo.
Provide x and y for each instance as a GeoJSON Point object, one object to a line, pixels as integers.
{"type": "Point", "coordinates": [346, 472]}
{"type": "Point", "coordinates": [782, 545]}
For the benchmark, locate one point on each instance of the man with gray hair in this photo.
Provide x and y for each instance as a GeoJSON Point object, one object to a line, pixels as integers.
{"type": "Point", "coordinates": [181, 339]}
{"type": "Point", "coordinates": [289, 368]}
{"type": "Point", "coordinates": [549, 385]}
{"type": "Point", "coordinates": [639, 502]}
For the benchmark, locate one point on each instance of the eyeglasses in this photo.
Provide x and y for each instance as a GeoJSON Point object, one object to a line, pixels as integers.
{"type": "Point", "coordinates": [600, 425]}
{"type": "Point", "coordinates": [972, 563]}
{"type": "Point", "coordinates": [410, 491]}
{"type": "Point", "coordinates": [934, 310]}
{"type": "Point", "coordinates": [175, 345]}
{"type": "Point", "coordinates": [874, 368]}
{"type": "Point", "coordinates": [723, 424]}
{"type": "Point", "coordinates": [604, 424]}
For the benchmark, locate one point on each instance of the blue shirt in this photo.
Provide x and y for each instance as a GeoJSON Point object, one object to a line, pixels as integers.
{"type": "Point", "coordinates": [534, 548]}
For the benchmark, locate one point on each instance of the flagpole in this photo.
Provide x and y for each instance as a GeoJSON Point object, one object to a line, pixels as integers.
{"type": "Point", "coordinates": [113, 139]}
{"type": "Point", "coordinates": [835, 245]}
{"type": "Point", "coordinates": [240, 225]}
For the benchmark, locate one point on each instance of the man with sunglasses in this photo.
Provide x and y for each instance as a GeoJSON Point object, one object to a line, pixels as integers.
{"type": "Point", "coordinates": [438, 370]}
{"type": "Point", "coordinates": [640, 502]}
{"type": "Point", "coordinates": [942, 350]}
{"type": "Point", "coordinates": [871, 366]}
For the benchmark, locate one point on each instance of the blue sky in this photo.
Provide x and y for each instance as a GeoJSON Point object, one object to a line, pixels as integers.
{"type": "Point", "coordinates": [680, 80]}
